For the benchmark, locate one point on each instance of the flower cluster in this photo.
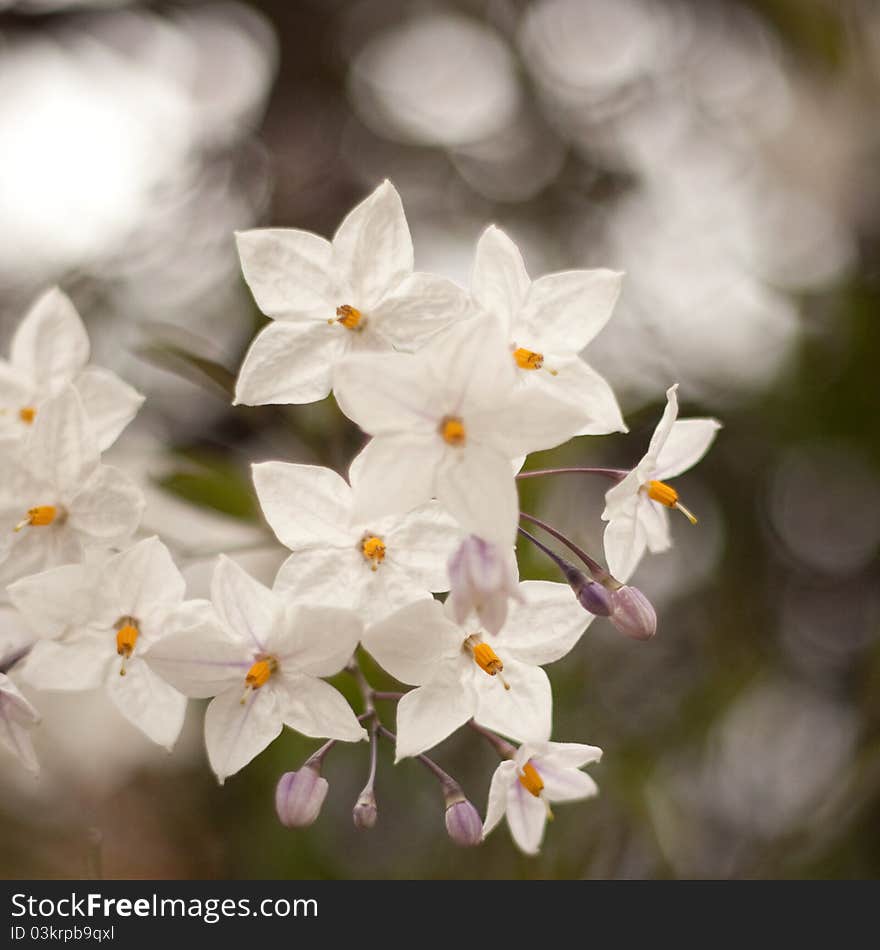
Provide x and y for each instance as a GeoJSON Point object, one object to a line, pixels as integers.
{"type": "Point", "coordinates": [453, 389]}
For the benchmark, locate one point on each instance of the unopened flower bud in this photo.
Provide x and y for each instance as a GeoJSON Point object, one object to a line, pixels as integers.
{"type": "Point", "coordinates": [300, 795]}
{"type": "Point", "coordinates": [482, 578]}
{"type": "Point", "coordinates": [591, 595]}
{"type": "Point", "coordinates": [633, 614]}
{"type": "Point", "coordinates": [365, 813]}
{"type": "Point", "coordinates": [463, 823]}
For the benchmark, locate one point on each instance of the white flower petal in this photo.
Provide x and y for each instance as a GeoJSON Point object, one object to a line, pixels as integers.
{"type": "Point", "coordinates": [689, 440]}
{"type": "Point", "coordinates": [563, 312]}
{"type": "Point", "coordinates": [319, 575]}
{"type": "Point", "coordinates": [288, 272]}
{"type": "Point", "coordinates": [61, 448]}
{"type": "Point", "coordinates": [477, 486]}
{"type": "Point", "coordinates": [146, 576]}
{"type": "Point", "coordinates": [625, 544]}
{"type": "Point", "coordinates": [389, 393]}
{"type": "Point", "coordinates": [544, 625]}
{"type": "Point", "coordinates": [250, 610]}
{"type": "Point", "coordinates": [16, 392]}
{"type": "Point", "coordinates": [471, 366]}
{"type": "Point", "coordinates": [502, 778]}
{"type": "Point", "coordinates": [565, 785]}
{"type": "Point", "coordinates": [315, 640]}
{"type": "Point", "coordinates": [315, 708]}
{"type": "Point", "coordinates": [236, 732]}
{"type": "Point", "coordinates": [414, 643]}
{"type": "Point", "coordinates": [522, 712]}
{"type": "Point", "coordinates": [421, 543]}
{"type": "Point", "coordinates": [110, 403]}
{"type": "Point", "coordinates": [54, 601]}
{"type": "Point", "coordinates": [499, 282]}
{"type": "Point", "coordinates": [32, 551]}
{"type": "Point", "coordinates": [372, 248]}
{"type": "Point", "coordinates": [417, 308]}
{"type": "Point", "coordinates": [148, 702]}
{"type": "Point", "coordinates": [427, 715]}
{"type": "Point", "coordinates": [569, 755]}
{"type": "Point", "coordinates": [290, 363]}
{"type": "Point", "coordinates": [654, 519]}
{"type": "Point", "coordinates": [620, 500]}
{"type": "Point", "coordinates": [388, 591]}
{"type": "Point", "coordinates": [51, 343]}
{"type": "Point", "coordinates": [527, 420]}
{"type": "Point", "coordinates": [201, 660]}
{"type": "Point", "coordinates": [663, 430]}
{"type": "Point", "coordinates": [17, 718]}
{"type": "Point", "coordinates": [69, 666]}
{"type": "Point", "coordinates": [526, 818]}
{"type": "Point", "coordinates": [580, 385]}
{"type": "Point", "coordinates": [396, 474]}
{"type": "Point", "coordinates": [304, 504]}
{"type": "Point", "coordinates": [108, 508]}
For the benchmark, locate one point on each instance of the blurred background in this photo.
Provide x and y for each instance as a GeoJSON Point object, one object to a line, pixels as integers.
{"type": "Point", "coordinates": [724, 155]}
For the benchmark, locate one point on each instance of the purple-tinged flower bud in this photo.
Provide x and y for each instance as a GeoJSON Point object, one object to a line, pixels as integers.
{"type": "Point", "coordinates": [463, 823]}
{"type": "Point", "coordinates": [482, 577]}
{"type": "Point", "coordinates": [365, 813]}
{"type": "Point", "coordinates": [591, 595]}
{"type": "Point", "coordinates": [633, 614]}
{"type": "Point", "coordinates": [300, 795]}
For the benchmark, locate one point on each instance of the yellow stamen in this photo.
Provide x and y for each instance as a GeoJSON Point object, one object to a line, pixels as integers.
{"type": "Point", "coordinates": [528, 359]}
{"type": "Point", "coordinates": [668, 496]}
{"type": "Point", "coordinates": [452, 430]}
{"type": "Point", "coordinates": [350, 317]}
{"type": "Point", "coordinates": [530, 780]}
{"type": "Point", "coordinates": [27, 414]}
{"type": "Point", "coordinates": [486, 658]}
{"type": "Point", "coordinates": [38, 517]}
{"type": "Point", "coordinates": [127, 633]}
{"type": "Point", "coordinates": [373, 550]}
{"type": "Point", "coordinates": [258, 675]}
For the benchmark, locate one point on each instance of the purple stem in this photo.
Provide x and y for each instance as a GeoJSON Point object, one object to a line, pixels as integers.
{"type": "Point", "coordinates": [599, 573]}
{"type": "Point", "coordinates": [615, 474]}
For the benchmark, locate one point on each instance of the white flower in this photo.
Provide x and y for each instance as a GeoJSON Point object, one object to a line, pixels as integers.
{"type": "Point", "coordinates": [449, 421]}
{"type": "Point", "coordinates": [97, 619]}
{"type": "Point", "coordinates": [540, 773]}
{"type": "Point", "coordinates": [482, 578]}
{"type": "Point", "coordinates": [56, 498]}
{"type": "Point", "coordinates": [459, 676]}
{"type": "Point", "coordinates": [327, 299]}
{"type": "Point", "coordinates": [17, 718]}
{"type": "Point", "coordinates": [50, 349]}
{"type": "Point", "coordinates": [260, 657]}
{"type": "Point", "coordinates": [635, 508]}
{"type": "Point", "coordinates": [547, 323]}
{"type": "Point", "coordinates": [372, 568]}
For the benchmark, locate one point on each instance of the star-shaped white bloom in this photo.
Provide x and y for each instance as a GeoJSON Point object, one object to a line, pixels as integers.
{"type": "Point", "coordinates": [448, 422]}
{"type": "Point", "coordinates": [96, 621]}
{"type": "Point", "coordinates": [56, 498]}
{"type": "Point", "coordinates": [636, 508]}
{"type": "Point", "coordinates": [547, 323]}
{"type": "Point", "coordinates": [460, 676]}
{"type": "Point", "coordinates": [50, 349]}
{"type": "Point", "coordinates": [373, 568]}
{"type": "Point", "coordinates": [17, 718]}
{"type": "Point", "coordinates": [260, 656]}
{"type": "Point", "coordinates": [327, 299]}
{"type": "Point", "coordinates": [540, 773]}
